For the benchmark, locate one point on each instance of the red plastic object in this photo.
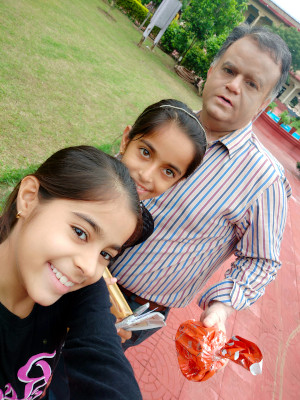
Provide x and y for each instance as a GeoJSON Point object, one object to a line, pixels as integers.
{"type": "Point", "coordinates": [202, 351]}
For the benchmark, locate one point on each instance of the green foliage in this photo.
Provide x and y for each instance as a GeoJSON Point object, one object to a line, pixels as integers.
{"type": "Point", "coordinates": [134, 9]}
{"type": "Point", "coordinates": [175, 38]}
{"type": "Point", "coordinates": [292, 38]}
{"type": "Point", "coordinates": [196, 60]}
{"type": "Point", "coordinates": [272, 105]}
{"type": "Point", "coordinates": [285, 118]}
{"type": "Point", "coordinates": [296, 124]}
{"type": "Point", "coordinates": [199, 59]}
{"type": "Point", "coordinates": [204, 18]}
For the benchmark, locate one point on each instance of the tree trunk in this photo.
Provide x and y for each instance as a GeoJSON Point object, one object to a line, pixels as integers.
{"type": "Point", "coordinates": [191, 45]}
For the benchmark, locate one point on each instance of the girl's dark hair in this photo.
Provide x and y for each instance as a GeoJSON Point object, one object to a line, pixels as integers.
{"type": "Point", "coordinates": [173, 110]}
{"type": "Point", "coordinates": [78, 173]}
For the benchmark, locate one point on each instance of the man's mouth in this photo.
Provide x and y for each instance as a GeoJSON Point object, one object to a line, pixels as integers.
{"type": "Point", "coordinates": [226, 100]}
{"type": "Point", "coordinates": [62, 278]}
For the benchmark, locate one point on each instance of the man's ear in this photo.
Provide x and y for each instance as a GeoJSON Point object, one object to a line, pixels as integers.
{"type": "Point", "coordinates": [125, 139]}
{"type": "Point", "coordinates": [262, 107]}
{"type": "Point", "coordinates": [210, 70]}
{"type": "Point", "coordinates": [27, 198]}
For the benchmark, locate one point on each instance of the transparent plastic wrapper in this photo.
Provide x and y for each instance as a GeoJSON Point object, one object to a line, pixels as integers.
{"type": "Point", "coordinates": [202, 351]}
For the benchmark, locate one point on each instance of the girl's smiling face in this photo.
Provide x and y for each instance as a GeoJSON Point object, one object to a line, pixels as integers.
{"type": "Point", "coordinates": [158, 160]}
{"type": "Point", "coordinates": [64, 245]}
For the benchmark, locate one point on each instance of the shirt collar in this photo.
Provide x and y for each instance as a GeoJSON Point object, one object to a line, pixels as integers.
{"type": "Point", "coordinates": [235, 140]}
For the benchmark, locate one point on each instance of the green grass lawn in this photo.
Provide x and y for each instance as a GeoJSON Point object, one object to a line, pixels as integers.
{"type": "Point", "coordinates": [71, 73]}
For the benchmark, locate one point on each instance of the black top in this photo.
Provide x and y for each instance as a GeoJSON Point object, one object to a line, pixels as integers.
{"type": "Point", "coordinates": [81, 321]}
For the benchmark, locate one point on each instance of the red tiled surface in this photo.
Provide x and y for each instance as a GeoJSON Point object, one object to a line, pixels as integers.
{"type": "Point", "coordinates": [273, 323]}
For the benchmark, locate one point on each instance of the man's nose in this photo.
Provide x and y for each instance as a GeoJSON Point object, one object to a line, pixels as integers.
{"type": "Point", "coordinates": [234, 84]}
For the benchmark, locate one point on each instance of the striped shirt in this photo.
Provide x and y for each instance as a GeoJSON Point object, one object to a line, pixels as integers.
{"type": "Point", "coordinates": [235, 202]}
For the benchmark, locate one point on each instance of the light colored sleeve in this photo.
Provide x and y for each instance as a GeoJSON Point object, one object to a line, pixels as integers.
{"type": "Point", "coordinates": [260, 234]}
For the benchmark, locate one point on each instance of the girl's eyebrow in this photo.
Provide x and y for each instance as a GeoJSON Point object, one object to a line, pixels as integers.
{"type": "Point", "coordinates": [154, 151]}
{"type": "Point", "coordinates": [96, 227]}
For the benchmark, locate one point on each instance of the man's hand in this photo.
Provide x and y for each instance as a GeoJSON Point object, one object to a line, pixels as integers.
{"type": "Point", "coordinates": [216, 315]}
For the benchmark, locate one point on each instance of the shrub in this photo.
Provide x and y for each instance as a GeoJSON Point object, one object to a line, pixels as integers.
{"type": "Point", "coordinates": [296, 124]}
{"type": "Point", "coordinates": [199, 58]}
{"type": "Point", "coordinates": [167, 38]}
{"type": "Point", "coordinates": [134, 9]}
{"type": "Point", "coordinates": [196, 60]}
{"type": "Point", "coordinates": [285, 118]}
{"type": "Point", "coordinates": [272, 106]}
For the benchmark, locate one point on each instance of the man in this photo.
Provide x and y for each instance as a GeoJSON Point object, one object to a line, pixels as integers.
{"type": "Point", "coordinates": [235, 202]}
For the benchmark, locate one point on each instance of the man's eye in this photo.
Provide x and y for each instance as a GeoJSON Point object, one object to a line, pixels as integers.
{"type": "Point", "coordinates": [169, 173]}
{"type": "Point", "coordinates": [80, 233]}
{"type": "Point", "coordinates": [252, 84]}
{"type": "Point", "coordinates": [144, 152]}
{"type": "Point", "coordinates": [106, 255]}
{"type": "Point", "coordinates": [228, 71]}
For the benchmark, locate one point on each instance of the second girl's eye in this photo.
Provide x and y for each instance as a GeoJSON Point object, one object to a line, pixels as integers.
{"type": "Point", "coordinates": [169, 173]}
{"type": "Point", "coordinates": [106, 255]}
{"type": "Point", "coordinates": [144, 152]}
{"type": "Point", "coordinates": [80, 233]}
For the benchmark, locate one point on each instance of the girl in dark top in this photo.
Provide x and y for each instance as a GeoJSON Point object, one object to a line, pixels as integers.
{"type": "Point", "coordinates": [60, 228]}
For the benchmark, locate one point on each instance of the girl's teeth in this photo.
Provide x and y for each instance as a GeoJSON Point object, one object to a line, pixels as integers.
{"type": "Point", "coordinates": [62, 279]}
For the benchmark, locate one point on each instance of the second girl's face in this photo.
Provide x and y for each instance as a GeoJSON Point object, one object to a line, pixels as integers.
{"type": "Point", "coordinates": [158, 160]}
{"type": "Point", "coordinates": [67, 244]}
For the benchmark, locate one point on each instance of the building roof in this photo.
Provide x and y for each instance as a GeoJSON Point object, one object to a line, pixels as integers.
{"type": "Point", "coordinates": [282, 15]}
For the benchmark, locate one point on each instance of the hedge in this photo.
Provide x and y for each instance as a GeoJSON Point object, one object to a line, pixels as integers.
{"type": "Point", "coordinates": [134, 9]}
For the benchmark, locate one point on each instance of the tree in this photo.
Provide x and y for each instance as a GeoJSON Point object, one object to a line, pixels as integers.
{"type": "Point", "coordinates": [204, 18]}
{"type": "Point", "coordinates": [292, 38]}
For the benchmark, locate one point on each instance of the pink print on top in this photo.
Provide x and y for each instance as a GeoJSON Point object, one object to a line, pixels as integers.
{"type": "Point", "coordinates": [34, 386]}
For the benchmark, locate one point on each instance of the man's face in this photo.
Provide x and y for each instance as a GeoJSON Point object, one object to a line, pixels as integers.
{"type": "Point", "coordinates": [238, 86]}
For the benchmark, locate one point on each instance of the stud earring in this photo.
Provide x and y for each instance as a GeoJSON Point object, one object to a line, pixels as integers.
{"type": "Point", "coordinates": [18, 214]}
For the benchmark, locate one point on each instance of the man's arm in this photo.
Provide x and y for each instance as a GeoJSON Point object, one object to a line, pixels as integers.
{"type": "Point", "coordinates": [257, 254]}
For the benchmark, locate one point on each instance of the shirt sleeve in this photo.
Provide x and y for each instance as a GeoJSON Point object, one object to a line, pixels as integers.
{"type": "Point", "coordinates": [260, 234]}
{"type": "Point", "coordinates": [95, 362]}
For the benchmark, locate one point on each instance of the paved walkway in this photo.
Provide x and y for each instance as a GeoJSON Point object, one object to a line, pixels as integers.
{"type": "Point", "coordinates": [273, 323]}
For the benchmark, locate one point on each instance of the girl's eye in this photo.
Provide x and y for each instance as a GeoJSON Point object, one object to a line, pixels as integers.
{"type": "Point", "coordinates": [169, 173]}
{"type": "Point", "coordinates": [144, 152]}
{"type": "Point", "coordinates": [106, 255]}
{"type": "Point", "coordinates": [80, 233]}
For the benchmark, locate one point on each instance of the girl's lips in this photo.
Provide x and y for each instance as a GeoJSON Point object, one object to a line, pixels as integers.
{"type": "Point", "coordinates": [141, 188]}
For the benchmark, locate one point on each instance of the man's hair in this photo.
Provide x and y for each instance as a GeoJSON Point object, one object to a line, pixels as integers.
{"type": "Point", "coordinates": [267, 41]}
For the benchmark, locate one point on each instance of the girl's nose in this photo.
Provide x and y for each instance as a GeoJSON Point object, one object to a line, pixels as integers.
{"type": "Point", "coordinates": [89, 265]}
{"type": "Point", "coordinates": [146, 174]}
